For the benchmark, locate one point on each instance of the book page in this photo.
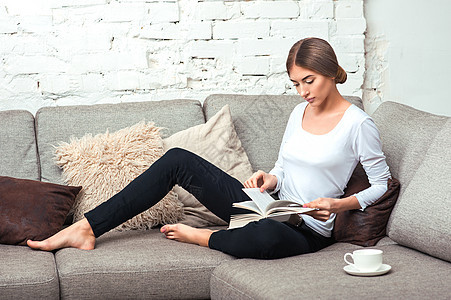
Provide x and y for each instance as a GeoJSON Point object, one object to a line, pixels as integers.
{"type": "Point", "coordinates": [262, 200]}
{"type": "Point", "coordinates": [250, 205]}
{"type": "Point", "coordinates": [286, 206]}
{"type": "Point", "coordinates": [241, 220]}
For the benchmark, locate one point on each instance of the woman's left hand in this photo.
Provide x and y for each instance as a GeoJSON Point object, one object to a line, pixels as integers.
{"type": "Point", "coordinates": [326, 207]}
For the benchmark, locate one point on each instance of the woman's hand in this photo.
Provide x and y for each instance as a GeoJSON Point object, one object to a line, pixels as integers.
{"type": "Point", "coordinates": [262, 180]}
{"type": "Point", "coordinates": [326, 207]}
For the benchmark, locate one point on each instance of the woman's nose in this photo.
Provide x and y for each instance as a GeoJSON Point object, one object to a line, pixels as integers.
{"type": "Point", "coordinates": [304, 93]}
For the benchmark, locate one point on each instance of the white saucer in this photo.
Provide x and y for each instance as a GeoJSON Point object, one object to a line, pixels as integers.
{"type": "Point", "coordinates": [350, 269]}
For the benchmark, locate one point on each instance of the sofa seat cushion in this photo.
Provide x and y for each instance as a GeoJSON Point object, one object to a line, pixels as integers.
{"type": "Point", "coordinates": [18, 145]}
{"type": "Point", "coordinates": [137, 265]}
{"type": "Point", "coordinates": [321, 276]}
{"type": "Point", "coordinates": [26, 274]}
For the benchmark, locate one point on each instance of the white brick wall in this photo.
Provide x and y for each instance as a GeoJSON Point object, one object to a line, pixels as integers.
{"type": "Point", "coordinates": [61, 52]}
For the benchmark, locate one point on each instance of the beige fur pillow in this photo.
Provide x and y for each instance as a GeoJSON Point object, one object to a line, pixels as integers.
{"type": "Point", "coordinates": [104, 164]}
{"type": "Point", "coordinates": [217, 142]}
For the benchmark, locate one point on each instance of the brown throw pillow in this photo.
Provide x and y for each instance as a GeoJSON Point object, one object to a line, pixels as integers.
{"type": "Point", "coordinates": [32, 209]}
{"type": "Point", "coordinates": [365, 228]}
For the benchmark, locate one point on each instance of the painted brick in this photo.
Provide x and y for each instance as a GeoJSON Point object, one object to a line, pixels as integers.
{"type": "Point", "coordinates": [38, 24]}
{"type": "Point", "coordinates": [270, 46]}
{"type": "Point", "coordinates": [236, 29]}
{"type": "Point", "coordinates": [103, 51]}
{"type": "Point", "coordinates": [349, 9]}
{"type": "Point", "coordinates": [3, 12]}
{"type": "Point", "coordinates": [29, 7]}
{"type": "Point", "coordinates": [20, 64]}
{"type": "Point", "coordinates": [351, 26]}
{"type": "Point", "coordinates": [211, 11]}
{"type": "Point", "coordinates": [300, 29]}
{"type": "Point", "coordinates": [111, 61]}
{"type": "Point", "coordinates": [233, 10]}
{"type": "Point", "coordinates": [24, 84]}
{"type": "Point", "coordinates": [352, 86]}
{"type": "Point", "coordinates": [92, 82]}
{"type": "Point", "coordinates": [350, 44]}
{"type": "Point", "coordinates": [172, 31]}
{"type": "Point", "coordinates": [85, 16]}
{"type": "Point", "coordinates": [317, 9]}
{"type": "Point", "coordinates": [253, 65]}
{"type": "Point", "coordinates": [211, 49]}
{"type": "Point", "coordinates": [76, 41]}
{"type": "Point", "coordinates": [59, 83]}
{"type": "Point", "coordinates": [278, 65]}
{"type": "Point", "coordinates": [28, 44]}
{"type": "Point", "coordinates": [124, 12]}
{"type": "Point", "coordinates": [349, 62]}
{"type": "Point", "coordinates": [162, 31]}
{"type": "Point", "coordinates": [199, 31]}
{"type": "Point", "coordinates": [8, 25]}
{"type": "Point", "coordinates": [69, 3]}
{"type": "Point", "coordinates": [157, 79]}
{"type": "Point", "coordinates": [162, 12]}
{"type": "Point", "coordinates": [270, 9]}
{"type": "Point", "coordinates": [123, 80]}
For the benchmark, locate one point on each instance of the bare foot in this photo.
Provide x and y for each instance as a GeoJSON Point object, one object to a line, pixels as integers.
{"type": "Point", "coordinates": [78, 235]}
{"type": "Point", "coordinates": [187, 234]}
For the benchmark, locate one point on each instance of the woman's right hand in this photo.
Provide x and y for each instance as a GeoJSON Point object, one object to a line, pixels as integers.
{"type": "Point", "coordinates": [262, 180]}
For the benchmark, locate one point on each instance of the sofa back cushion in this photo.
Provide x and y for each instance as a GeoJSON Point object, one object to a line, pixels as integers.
{"type": "Point", "coordinates": [17, 145]}
{"type": "Point", "coordinates": [417, 145]}
{"type": "Point", "coordinates": [406, 135]}
{"type": "Point", "coordinates": [56, 124]}
{"type": "Point", "coordinates": [260, 122]}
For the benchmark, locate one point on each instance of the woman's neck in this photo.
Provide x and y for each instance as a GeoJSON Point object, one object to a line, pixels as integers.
{"type": "Point", "coordinates": [333, 103]}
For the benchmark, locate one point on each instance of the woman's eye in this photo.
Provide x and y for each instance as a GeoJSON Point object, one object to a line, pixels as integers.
{"type": "Point", "coordinates": [309, 81]}
{"type": "Point", "coordinates": [296, 84]}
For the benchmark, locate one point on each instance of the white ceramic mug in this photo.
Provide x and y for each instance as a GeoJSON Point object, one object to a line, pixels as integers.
{"type": "Point", "coordinates": [365, 260]}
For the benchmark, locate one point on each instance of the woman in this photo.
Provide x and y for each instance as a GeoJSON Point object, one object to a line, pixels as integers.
{"type": "Point", "coordinates": [325, 138]}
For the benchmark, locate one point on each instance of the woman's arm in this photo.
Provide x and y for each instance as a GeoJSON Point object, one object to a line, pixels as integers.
{"type": "Point", "coordinates": [368, 148]}
{"type": "Point", "coordinates": [277, 171]}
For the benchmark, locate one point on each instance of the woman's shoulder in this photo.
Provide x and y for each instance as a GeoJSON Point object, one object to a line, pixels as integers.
{"type": "Point", "coordinates": [298, 110]}
{"type": "Point", "coordinates": [357, 115]}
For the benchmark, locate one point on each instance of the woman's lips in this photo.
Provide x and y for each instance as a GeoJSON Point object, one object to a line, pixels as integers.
{"type": "Point", "coordinates": [309, 100]}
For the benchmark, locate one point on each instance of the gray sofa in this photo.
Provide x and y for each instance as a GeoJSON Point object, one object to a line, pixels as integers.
{"type": "Point", "coordinates": [143, 264]}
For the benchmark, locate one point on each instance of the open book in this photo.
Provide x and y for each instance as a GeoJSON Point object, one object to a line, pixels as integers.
{"type": "Point", "coordinates": [265, 206]}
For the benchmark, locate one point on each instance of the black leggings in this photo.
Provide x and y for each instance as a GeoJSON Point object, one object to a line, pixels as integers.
{"type": "Point", "coordinates": [217, 191]}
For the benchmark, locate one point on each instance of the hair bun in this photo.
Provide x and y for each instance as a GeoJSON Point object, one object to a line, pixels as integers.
{"type": "Point", "coordinates": [341, 75]}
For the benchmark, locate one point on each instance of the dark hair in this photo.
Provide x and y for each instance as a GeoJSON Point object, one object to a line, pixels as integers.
{"type": "Point", "coordinates": [317, 55]}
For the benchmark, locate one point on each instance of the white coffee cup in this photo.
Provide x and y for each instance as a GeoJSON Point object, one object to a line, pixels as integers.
{"type": "Point", "coordinates": [365, 260]}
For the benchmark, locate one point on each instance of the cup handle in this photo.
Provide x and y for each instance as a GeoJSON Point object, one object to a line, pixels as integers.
{"type": "Point", "coordinates": [350, 254]}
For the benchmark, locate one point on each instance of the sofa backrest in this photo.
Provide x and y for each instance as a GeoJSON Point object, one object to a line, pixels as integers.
{"type": "Point", "coordinates": [260, 122]}
{"type": "Point", "coordinates": [59, 124]}
{"type": "Point", "coordinates": [18, 145]}
{"type": "Point", "coordinates": [418, 149]}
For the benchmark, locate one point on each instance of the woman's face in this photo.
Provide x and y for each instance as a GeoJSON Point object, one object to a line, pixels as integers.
{"type": "Point", "coordinates": [313, 87]}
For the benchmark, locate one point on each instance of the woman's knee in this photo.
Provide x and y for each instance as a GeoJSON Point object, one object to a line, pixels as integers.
{"type": "Point", "coordinates": [175, 156]}
{"type": "Point", "coordinates": [176, 152]}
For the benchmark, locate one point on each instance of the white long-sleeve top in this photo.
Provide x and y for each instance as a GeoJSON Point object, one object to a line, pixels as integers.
{"type": "Point", "coordinates": [310, 166]}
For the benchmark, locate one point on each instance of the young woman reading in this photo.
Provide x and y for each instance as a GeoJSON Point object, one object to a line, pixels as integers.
{"type": "Point", "coordinates": [324, 139]}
